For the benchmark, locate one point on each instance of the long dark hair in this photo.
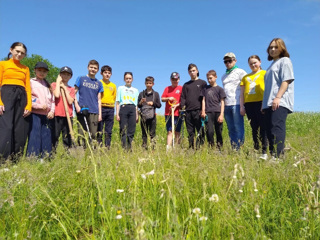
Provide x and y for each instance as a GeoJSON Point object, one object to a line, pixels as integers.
{"type": "Point", "coordinates": [15, 44]}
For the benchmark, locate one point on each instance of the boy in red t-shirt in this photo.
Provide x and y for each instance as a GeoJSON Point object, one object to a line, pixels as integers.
{"type": "Point", "coordinates": [171, 96]}
{"type": "Point", "coordinates": [61, 122]}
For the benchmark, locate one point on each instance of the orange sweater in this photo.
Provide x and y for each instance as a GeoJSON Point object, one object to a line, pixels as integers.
{"type": "Point", "coordinates": [12, 72]}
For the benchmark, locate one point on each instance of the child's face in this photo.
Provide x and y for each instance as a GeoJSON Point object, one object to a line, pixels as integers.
{"type": "Point", "coordinates": [174, 81]}
{"type": "Point", "coordinates": [254, 64]}
{"type": "Point", "coordinates": [274, 51]}
{"type": "Point", "coordinates": [149, 85]}
{"type": "Point", "coordinates": [106, 75]}
{"type": "Point", "coordinates": [193, 72]}
{"type": "Point", "coordinates": [212, 79]}
{"type": "Point", "coordinates": [41, 73]}
{"type": "Point", "coordinates": [128, 79]}
{"type": "Point", "coordinates": [65, 76]}
{"type": "Point", "coordinates": [18, 53]}
{"type": "Point", "coordinates": [93, 69]}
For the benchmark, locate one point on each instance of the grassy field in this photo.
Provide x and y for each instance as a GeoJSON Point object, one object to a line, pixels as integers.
{"type": "Point", "coordinates": [185, 194]}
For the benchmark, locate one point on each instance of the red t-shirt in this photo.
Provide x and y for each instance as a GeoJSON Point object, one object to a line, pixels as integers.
{"type": "Point", "coordinates": [172, 92]}
{"type": "Point", "coordinates": [59, 107]}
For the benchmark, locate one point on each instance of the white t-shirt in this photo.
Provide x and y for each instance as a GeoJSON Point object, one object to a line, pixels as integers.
{"type": "Point", "coordinates": [279, 71]}
{"type": "Point", "coordinates": [231, 85]}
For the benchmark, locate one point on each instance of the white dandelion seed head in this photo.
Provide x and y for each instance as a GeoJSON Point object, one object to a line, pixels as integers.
{"type": "Point", "coordinates": [119, 216]}
{"type": "Point", "coordinates": [120, 190]}
{"type": "Point", "coordinates": [214, 198]}
{"type": "Point", "coordinates": [203, 218]}
{"type": "Point", "coordinates": [196, 211]}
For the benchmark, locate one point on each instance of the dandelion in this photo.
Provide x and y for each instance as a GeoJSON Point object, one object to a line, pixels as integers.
{"type": "Point", "coordinates": [78, 171]}
{"type": "Point", "coordinates": [203, 218]}
{"type": "Point", "coordinates": [120, 190]}
{"type": "Point", "coordinates": [196, 211]}
{"type": "Point", "coordinates": [143, 176]}
{"type": "Point", "coordinates": [150, 173]}
{"type": "Point", "coordinates": [118, 212]}
{"type": "Point", "coordinates": [214, 198]}
{"type": "Point", "coordinates": [118, 216]}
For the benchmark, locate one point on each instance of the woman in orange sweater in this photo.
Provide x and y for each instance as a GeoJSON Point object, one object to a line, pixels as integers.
{"type": "Point", "coordinates": [15, 101]}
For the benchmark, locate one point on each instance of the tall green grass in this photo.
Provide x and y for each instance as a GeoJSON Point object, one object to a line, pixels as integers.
{"type": "Point", "coordinates": [115, 194]}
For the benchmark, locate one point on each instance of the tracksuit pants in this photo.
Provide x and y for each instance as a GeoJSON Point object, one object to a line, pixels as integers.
{"type": "Point", "coordinates": [214, 126]}
{"type": "Point", "coordinates": [107, 122]}
{"type": "Point", "coordinates": [127, 115]}
{"type": "Point", "coordinates": [193, 123]}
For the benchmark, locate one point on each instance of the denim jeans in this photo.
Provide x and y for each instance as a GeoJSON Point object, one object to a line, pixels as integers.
{"type": "Point", "coordinates": [235, 125]}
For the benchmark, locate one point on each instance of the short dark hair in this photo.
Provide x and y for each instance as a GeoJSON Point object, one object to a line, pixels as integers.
{"type": "Point", "coordinates": [192, 65]}
{"type": "Point", "coordinates": [130, 73]}
{"type": "Point", "coordinates": [15, 44]}
{"type": "Point", "coordinates": [106, 68]}
{"type": "Point", "coordinates": [212, 72]}
{"type": "Point", "coordinates": [93, 62]}
{"type": "Point", "coordinates": [149, 79]}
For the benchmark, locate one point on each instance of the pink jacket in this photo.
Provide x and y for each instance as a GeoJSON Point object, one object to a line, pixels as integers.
{"type": "Point", "coordinates": [41, 95]}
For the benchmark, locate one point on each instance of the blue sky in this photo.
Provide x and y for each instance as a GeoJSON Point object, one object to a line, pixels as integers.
{"type": "Point", "coordinates": [158, 37]}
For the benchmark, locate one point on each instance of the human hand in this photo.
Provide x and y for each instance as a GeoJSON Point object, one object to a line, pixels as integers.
{"type": "Point", "coordinates": [1, 109]}
{"type": "Point", "coordinates": [118, 118]}
{"type": "Point", "coordinates": [44, 106]}
{"type": "Point", "coordinates": [150, 103]}
{"type": "Point", "coordinates": [203, 114]}
{"type": "Point", "coordinates": [242, 111]}
{"type": "Point", "coordinates": [50, 115]}
{"type": "Point", "coordinates": [276, 103]}
{"type": "Point", "coordinates": [78, 109]}
{"type": "Point", "coordinates": [220, 119]}
{"type": "Point", "coordinates": [100, 118]}
{"type": "Point", "coordinates": [26, 113]}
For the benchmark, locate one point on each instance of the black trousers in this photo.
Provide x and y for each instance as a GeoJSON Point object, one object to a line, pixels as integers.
{"type": "Point", "coordinates": [107, 122]}
{"type": "Point", "coordinates": [214, 126]}
{"type": "Point", "coordinates": [193, 123]}
{"type": "Point", "coordinates": [148, 127]}
{"type": "Point", "coordinates": [276, 128]}
{"type": "Point", "coordinates": [127, 115]}
{"type": "Point", "coordinates": [14, 127]}
{"type": "Point", "coordinates": [257, 123]}
{"type": "Point", "coordinates": [61, 126]}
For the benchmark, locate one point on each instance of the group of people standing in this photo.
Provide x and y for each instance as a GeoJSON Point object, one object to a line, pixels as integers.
{"type": "Point", "coordinates": [266, 97]}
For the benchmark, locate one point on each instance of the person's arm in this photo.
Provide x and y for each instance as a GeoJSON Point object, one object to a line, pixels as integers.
{"type": "Point", "coordinates": [283, 88]}
{"type": "Point", "coordinates": [56, 91]}
{"type": "Point", "coordinates": [221, 116]}
{"type": "Point", "coordinates": [203, 111]}
{"type": "Point", "coordinates": [70, 99]}
{"type": "Point", "coordinates": [242, 109]}
{"type": "Point", "coordinates": [183, 98]}
{"type": "Point", "coordinates": [27, 110]}
{"type": "Point", "coordinates": [99, 107]}
{"type": "Point", "coordinates": [76, 104]}
{"type": "Point", "coordinates": [157, 102]}
{"type": "Point", "coordinates": [117, 110]}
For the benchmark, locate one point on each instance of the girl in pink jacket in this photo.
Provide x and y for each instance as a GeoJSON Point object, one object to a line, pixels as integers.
{"type": "Point", "coordinates": [41, 124]}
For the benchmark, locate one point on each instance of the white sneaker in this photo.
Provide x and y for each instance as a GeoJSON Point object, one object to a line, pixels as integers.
{"type": "Point", "coordinates": [264, 157]}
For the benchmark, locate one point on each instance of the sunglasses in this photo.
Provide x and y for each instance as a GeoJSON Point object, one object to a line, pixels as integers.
{"type": "Point", "coordinates": [228, 61]}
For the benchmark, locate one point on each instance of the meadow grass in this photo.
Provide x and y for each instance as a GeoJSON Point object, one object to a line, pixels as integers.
{"type": "Point", "coordinates": [182, 194]}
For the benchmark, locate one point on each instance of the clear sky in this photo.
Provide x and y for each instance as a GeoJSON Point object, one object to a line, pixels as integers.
{"type": "Point", "coordinates": [153, 37]}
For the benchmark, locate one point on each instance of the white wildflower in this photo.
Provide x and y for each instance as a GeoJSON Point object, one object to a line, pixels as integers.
{"type": "Point", "coordinates": [143, 176]}
{"type": "Point", "coordinates": [196, 211]}
{"type": "Point", "coordinates": [78, 171]}
{"type": "Point", "coordinates": [119, 216]}
{"type": "Point", "coordinates": [120, 190]}
{"type": "Point", "coordinates": [234, 177]}
{"type": "Point", "coordinates": [4, 170]}
{"type": "Point", "coordinates": [150, 173]}
{"type": "Point", "coordinates": [214, 198]}
{"type": "Point", "coordinates": [203, 218]}
{"type": "Point", "coordinates": [240, 191]}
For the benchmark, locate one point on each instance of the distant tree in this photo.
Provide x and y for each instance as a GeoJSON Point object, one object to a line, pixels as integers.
{"type": "Point", "coordinates": [31, 62]}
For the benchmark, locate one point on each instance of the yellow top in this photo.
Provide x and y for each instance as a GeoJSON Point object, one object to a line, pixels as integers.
{"type": "Point", "coordinates": [109, 94]}
{"type": "Point", "coordinates": [12, 72]}
{"type": "Point", "coordinates": [253, 86]}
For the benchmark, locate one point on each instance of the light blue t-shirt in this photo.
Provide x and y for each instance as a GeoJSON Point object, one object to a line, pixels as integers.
{"type": "Point", "coordinates": [279, 71]}
{"type": "Point", "coordinates": [127, 95]}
